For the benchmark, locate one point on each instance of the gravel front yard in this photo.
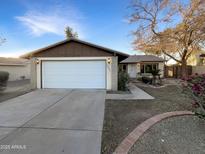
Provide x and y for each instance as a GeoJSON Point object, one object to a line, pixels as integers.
{"type": "Point", "coordinates": [121, 117]}
{"type": "Point", "coordinates": [176, 135]}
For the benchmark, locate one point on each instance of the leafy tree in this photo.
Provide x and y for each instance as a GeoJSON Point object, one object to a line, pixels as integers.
{"type": "Point", "coordinates": [70, 33]}
{"type": "Point", "coordinates": [172, 28]}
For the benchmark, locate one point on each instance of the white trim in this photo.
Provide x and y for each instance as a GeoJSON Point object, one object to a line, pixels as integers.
{"type": "Point", "coordinates": [108, 67]}
{"type": "Point", "coordinates": [38, 71]}
{"type": "Point", "coordinates": [72, 58]}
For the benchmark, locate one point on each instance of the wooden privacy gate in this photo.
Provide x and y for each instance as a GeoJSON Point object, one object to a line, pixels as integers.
{"type": "Point", "coordinates": [174, 71]}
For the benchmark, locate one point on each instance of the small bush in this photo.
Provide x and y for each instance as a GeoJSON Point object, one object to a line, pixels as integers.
{"type": "Point", "coordinates": [4, 76]}
{"type": "Point", "coordinates": [146, 79]}
{"type": "Point", "coordinates": [123, 79]}
{"type": "Point", "coordinates": [155, 72]}
{"type": "Point", "coordinates": [195, 86]}
{"type": "Point", "coordinates": [139, 78]}
{"type": "Point", "coordinates": [156, 77]}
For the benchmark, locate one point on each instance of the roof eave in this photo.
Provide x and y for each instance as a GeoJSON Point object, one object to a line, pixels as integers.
{"type": "Point", "coordinates": [29, 55]}
{"type": "Point", "coordinates": [140, 62]}
{"type": "Point", "coordinates": [12, 64]}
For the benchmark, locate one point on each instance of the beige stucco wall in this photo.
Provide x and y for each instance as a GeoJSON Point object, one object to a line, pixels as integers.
{"type": "Point", "coordinates": [138, 68]}
{"type": "Point", "coordinates": [198, 69]}
{"type": "Point", "coordinates": [33, 73]}
{"type": "Point", "coordinates": [195, 59]}
{"type": "Point", "coordinates": [15, 72]}
{"type": "Point", "coordinates": [114, 74]}
{"type": "Point", "coordinates": [161, 67]}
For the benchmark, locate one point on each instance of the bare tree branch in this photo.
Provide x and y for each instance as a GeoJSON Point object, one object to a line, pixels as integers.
{"type": "Point", "coordinates": [158, 32]}
{"type": "Point", "coordinates": [171, 57]}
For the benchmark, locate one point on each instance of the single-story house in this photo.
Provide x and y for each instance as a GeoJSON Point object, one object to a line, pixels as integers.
{"type": "Point", "coordinates": [74, 63]}
{"type": "Point", "coordinates": [138, 65]}
{"type": "Point", "coordinates": [198, 62]}
{"type": "Point", "coordinates": [17, 68]}
{"type": "Point", "coordinates": [197, 59]}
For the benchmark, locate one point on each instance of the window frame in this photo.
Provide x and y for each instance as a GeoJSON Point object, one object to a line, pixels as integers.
{"type": "Point", "coordinates": [143, 67]}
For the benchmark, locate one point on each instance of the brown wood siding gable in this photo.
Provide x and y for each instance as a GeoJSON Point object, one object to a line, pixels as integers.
{"type": "Point", "coordinates": [73, 49]}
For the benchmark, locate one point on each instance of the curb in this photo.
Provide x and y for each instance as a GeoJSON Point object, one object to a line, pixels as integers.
{"type": "Point", "coordinates": [128, 142]}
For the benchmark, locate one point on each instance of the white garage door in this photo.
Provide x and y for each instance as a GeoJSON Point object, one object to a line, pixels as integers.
{"type": "Point", "coordinates": [73, 74]}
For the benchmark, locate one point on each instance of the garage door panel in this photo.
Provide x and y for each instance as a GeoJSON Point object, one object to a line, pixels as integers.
{"type": "Point", "coordinates": [73, 74]}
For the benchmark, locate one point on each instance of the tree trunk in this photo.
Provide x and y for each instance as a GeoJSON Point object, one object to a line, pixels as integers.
{"type": "Point", "coordinates": [184, 69]}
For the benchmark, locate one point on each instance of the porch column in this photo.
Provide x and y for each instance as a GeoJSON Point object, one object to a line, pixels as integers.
{"type": "Point", "coordinates": [33, 73]}
{"type": "Point", "coordinates": [138, 68]}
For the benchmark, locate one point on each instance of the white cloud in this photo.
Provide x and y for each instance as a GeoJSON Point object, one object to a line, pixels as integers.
{"type": "Point", "coordinates": [41, 22]}
{"type": "Point", "coordinates": [16, 53]}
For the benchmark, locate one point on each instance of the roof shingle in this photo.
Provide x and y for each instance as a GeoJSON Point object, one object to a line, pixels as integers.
{"type": "Point", "coordinates": [142, 58]}
{"type": "Point", "coordinates": [30, 54]}
{"type": "Point", "coordinates": [13, 61]}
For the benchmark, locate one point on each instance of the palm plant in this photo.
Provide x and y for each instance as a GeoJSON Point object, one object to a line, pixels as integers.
{"type": "Point", "coordinates": [155, 73]}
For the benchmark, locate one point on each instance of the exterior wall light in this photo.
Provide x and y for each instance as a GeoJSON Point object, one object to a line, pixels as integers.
{"type": "Point", "coordinates": [109, 60]}
{"type": "Point", "coordinates": [37, 61]}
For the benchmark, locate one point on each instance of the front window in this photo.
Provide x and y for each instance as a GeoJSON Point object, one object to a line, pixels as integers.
{"type": "Point", "coordinates": [124, 67]}
{"type": "Point", "coordinates": [147, 68]}
{"type": "Point", "coordinates": [202, 61]}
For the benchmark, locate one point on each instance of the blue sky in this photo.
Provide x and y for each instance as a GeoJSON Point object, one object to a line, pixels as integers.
{"type": "Point", "coordinates": [31, 24]}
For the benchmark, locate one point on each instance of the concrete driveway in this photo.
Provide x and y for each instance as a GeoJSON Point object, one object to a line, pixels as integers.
{"type": "Point", "coordinates": [53, 122]}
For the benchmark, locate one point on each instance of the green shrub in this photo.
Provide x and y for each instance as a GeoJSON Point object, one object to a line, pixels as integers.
{"type": "Point", "coordinates": [123, 79]}
{"type": "Point", "coordinates": [146, 79]}
{"type": "Point", "coordinates": [4, 76]}
{"type": "Point", "coordinates": [139, 78]}
{"type": "Point", "coordinates": [155, 72]}
{"type": "Point", "coordinates": [156, 77]}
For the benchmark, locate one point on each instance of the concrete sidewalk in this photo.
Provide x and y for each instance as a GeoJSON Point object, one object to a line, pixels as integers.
{"type": "Point", "coordinates": [53, 122]}
{"type": "Point", "coordinates": [136, 94]}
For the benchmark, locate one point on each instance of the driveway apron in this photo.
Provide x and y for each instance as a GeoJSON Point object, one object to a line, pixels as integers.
{"type": "Point", "coordinates": [61, 121]}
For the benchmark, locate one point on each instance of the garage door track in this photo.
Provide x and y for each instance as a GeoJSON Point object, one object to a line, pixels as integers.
{"type": "Point", "coordinates": [53, 122]}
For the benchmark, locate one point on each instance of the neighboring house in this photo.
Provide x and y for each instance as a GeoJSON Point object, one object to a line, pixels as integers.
{"type": "Point", "coordinates": [201, 59]}
{"type": "Point", "coordinates": [17, 68]}
{"type": "Point", "coordinates": [197, 59]}
{"type": "Point", "coordinates": [75, 63]}
{"type": "Point", "coordinates": [138, 65]}
{"type": "Point", "coordinates": [199, 68]}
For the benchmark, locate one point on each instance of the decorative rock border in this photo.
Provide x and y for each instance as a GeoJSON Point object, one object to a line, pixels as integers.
{"type": "Point", "coordinates": [129, 141]}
